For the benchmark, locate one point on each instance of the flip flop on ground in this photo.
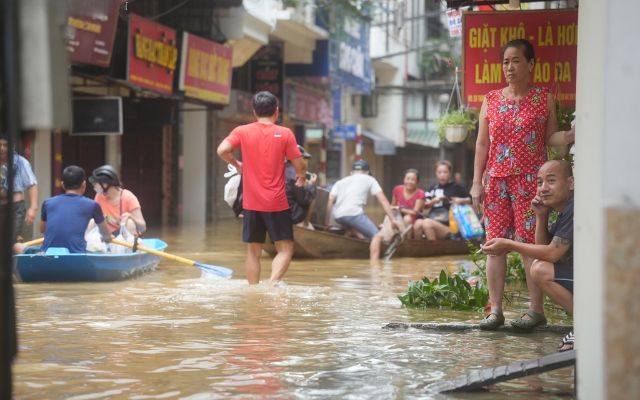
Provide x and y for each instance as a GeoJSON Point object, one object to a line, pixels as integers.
{"type": "Point", "coordinates": [567, 342]}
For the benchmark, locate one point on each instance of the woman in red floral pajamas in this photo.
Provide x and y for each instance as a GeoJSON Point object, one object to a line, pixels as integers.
{"type": "Point", "coordinates": [516, 124]}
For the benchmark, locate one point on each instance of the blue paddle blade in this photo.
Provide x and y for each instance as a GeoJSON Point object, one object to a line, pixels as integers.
{"type": "Point", "coordinates": [214, 269]}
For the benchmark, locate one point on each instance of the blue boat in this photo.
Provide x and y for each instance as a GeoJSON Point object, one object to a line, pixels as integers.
{"type": "Point", "coordinates": [58, 265]}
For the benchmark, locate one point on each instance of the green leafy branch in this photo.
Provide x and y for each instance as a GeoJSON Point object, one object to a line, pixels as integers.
{"type": "Point", "coordinates": [446, 291]}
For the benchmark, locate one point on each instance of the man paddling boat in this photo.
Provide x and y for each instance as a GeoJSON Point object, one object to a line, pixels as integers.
{"type": "Point", "coordinates": [64, 218]}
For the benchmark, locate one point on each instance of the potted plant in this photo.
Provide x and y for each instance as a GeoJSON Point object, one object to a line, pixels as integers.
{"type": "Point", "coordinates": [455, 125]}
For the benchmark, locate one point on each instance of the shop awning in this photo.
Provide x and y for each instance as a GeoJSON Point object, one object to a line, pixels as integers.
{"type": "Point", "coordinates": [381, 145]}
{"type": "Point", "coordinates": [421, 133]}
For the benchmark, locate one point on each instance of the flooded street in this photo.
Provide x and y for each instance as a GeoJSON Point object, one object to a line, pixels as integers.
{"type": "Point", "coordinates": [174, 334]}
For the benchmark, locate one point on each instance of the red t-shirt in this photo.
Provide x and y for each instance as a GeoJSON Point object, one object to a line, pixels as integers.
{"type": "Point", "coordinates": [398, 193]}
{"type": "Point", "coordinates": [265, 148]}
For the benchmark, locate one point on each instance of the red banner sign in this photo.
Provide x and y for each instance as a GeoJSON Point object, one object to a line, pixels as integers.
{"type": "Point", "coordinates": [205, 70]}
{"type": "Point", "coordinates": [153, 55]}
{"type": "Point", "coordinates": [91, 29]}
{"type": "Point", "coordinates": [307, 105]}
{"type": "Point", "coordinates": [553, 33]}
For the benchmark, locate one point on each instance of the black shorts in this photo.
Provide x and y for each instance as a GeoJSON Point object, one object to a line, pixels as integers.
{"type": "Point", "coordinates": [563, 274]}
{"type": "Point", "coordinates": [256, 224]}
{"type": "Point", "coordinates": [19, 213]}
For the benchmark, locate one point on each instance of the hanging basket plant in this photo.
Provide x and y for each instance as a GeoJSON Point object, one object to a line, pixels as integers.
{"type": "Point", "coordinates": [455, 125]}
{"type": "Point", "coordinates": [456, 133]}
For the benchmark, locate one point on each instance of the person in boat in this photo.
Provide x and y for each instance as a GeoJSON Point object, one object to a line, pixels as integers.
{"type": "Point", "coordinates": [24, 181]}
{"type": "Point", "coordinates": [439, 199]}
{"type": "Point", "coordinates": [408, 198]}
{"type": "Point", "coordinates": [552, 252]}
{"type": "Point", "coordinates": [264, 146]}
{"type": "Point", "coordinates": [457, 178]}
{"type": "Point", "coordinates": [300, 198]}
{"type": "Point", "coordinates": [350, 196]}
{"type": "Point", "coordinates": [120, 206]}
{"type": "Point", "coordinates": [516, 124]}
{"type": "Point", "coordinates": [64, 218]}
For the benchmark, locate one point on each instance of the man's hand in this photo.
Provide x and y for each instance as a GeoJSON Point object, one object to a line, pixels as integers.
{"type": "Point", "coordinates": [570, 135]}
{"type": "Point", "coordinates": [239, 167]}
{"type": "Point", "coordinates": [30, 215]}
{"type": "Point", "coordinates": [497, 247]}
{"type": "Point", "coordinates": [313, 179]}
{"type": "Point", "coordinates": [300, 180]}
{"type": "Point", "coordinates": [476, 197]}
{"type": "Point", "coordinates": [396, 225]}
{"type": "Point", "coordinates": [538, 207]}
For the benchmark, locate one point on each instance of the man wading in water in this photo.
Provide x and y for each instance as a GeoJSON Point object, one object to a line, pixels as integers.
{"type": "Point", "coordinates": [264, 145]}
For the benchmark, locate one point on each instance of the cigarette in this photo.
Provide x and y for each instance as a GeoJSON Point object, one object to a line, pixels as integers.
{"type": "Point", "coordinates": [479, 251]}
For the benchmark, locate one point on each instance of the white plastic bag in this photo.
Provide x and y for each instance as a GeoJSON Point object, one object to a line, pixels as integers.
{"type": "Point", "coordinates": [96, 245]}
{"type": "Point", "coordinates": [94, 241]}
{"type": "Point", "coordinates": [231, 189]}
{"type": "Point", "coordinates": [125, 236]}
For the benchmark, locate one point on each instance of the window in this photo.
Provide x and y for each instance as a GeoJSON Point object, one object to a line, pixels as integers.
{"type": "Point", "coordinates": [369, 107]}
{"type": "Point", "coordinates": [415, 107]}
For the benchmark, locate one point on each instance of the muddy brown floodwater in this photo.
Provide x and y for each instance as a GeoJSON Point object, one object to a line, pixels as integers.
{"type": "Point", "coordinates": [175, 334]}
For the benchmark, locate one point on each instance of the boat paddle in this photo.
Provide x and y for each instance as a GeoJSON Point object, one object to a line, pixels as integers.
{"type": "Point", "coordinates": [220, 271]}
{"type": "Point", "coordinates": [395, 242]}
{"type": "Point", "coordinates": [33, 242]}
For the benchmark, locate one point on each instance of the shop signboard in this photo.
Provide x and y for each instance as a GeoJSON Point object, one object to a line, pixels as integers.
{"type": "Point", "coordinates": [308, 105]}
{"type": "Point", "coordinates": [455, 23]}
{"type": "Point", "coordinates": [347, 131]}
{"type": "Point", "coordinates": [153, 55]}
{"type": "Point", "coordinates": [205, 69]}
{"type": "Point", "coordinates": [91, 29]}
{"type": "Point", "coordinates": [349, 57]}
{"type": "Point", "coordinates": [553, 33]}
{"type": "Point", "coordinates": [267, 71]}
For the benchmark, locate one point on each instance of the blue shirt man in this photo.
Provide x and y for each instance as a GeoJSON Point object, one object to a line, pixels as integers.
{"type": "Point", "coordinates": [64, 218]}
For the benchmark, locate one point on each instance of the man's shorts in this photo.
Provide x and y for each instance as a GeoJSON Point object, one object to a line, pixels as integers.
{"type": "Point", "coordinates": [563, 274]}
{"type": "Point", "coordinates": [360, 223]}
{"type": "Point", "coordinates": [507, 208]}
{"type": "Point", "coordinates": [256, 224]}
{"type": "Point", "coordinates": [19, 213]}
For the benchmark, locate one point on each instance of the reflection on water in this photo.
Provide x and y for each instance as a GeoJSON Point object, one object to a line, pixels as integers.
{"type": "Point", "coordinates": [174, 334]}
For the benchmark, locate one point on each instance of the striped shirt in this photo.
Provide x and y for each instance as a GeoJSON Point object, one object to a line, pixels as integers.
{"type": "Point", "coordinates": [23, 175]}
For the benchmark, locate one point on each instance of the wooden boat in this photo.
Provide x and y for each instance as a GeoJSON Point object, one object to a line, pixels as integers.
{"type": "Point", "coordinates": [58, 265]}
{"type": "Point", "coordinates": [323, 244]}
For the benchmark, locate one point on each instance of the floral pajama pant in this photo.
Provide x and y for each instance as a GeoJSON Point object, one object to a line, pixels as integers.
{"type": "Point", "coordinates": [507, 207]}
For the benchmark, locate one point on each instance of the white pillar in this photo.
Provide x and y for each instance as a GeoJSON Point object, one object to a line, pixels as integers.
{"type": "Point", "coordinates": [607, 214]}
{"type": "Point", "coordinates": [194, 173]}
{"type": "Point", "coordinates": [41, 163]}
{"type": "Point", "coordinates": [113, 152]}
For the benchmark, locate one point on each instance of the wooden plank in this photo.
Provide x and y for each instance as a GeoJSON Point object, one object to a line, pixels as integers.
{"type": "Point", "coordinates": [477, 379]}
{"type": "Point", "coordinates": [462, 327]}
